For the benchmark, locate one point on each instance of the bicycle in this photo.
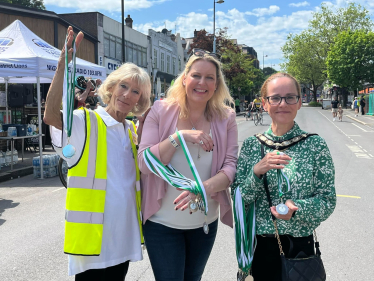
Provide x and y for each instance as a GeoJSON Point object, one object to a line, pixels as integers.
{"type": "Point", "coordinates": [62, 168]}
{"type": "Point", "coordinates": [258, 117]}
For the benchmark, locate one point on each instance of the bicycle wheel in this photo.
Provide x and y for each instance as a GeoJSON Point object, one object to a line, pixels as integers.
{"type": "Point", "coordinates": [255, 119]}
{"type": "Point", "coordinates": [261, 118]}
{"type": "Point", "coordinates": [63, 171]}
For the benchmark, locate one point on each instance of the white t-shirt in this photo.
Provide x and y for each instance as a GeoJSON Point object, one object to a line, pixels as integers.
{"type": "Point", "coordinates": [183, 219]}
{"type": "Point", "coordinates": [121, 238]}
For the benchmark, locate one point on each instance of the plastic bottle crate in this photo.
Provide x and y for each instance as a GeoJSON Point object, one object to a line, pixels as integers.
{"type": "Point", "coordinates": [48, 172]}
{"type": "Point", "coordinates": [48, 160]}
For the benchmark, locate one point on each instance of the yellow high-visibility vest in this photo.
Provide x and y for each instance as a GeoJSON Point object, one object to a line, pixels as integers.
{"type": "Point", "coordinates": [85, 199]}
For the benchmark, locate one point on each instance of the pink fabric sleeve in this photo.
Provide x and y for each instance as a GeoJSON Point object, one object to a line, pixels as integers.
{"type": "Point", "coordinates": [229, 165]}
{"type": "Point", "coordinates": [150, 138]}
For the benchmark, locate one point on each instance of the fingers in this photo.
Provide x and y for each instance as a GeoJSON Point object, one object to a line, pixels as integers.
{"type": "Point", "coordinates": [182, 201]}
{"type": "Point", "coordinates": [207, 142]}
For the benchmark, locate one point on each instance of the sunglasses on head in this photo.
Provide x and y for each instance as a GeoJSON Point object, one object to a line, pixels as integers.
{"type": "Point", "coordinates": [202, 53]}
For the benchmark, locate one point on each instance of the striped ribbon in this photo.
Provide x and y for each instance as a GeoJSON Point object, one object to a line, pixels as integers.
{"type": "Point", "coordinates": [68, 95]}
{"type": "Point", "coordinates": [245, 232]}
{"type": "Point", "coordinates": [175, 178]}
{"type": "Point", "coordinates": [281, 176]}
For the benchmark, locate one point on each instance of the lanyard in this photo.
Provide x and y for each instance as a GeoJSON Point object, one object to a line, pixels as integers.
{"type": "Point", "coordinates": [68, 90]}
{"type": "Point", "coordinates": [175, 178]}
{"type": "Point", "coordinates": [281, 175]}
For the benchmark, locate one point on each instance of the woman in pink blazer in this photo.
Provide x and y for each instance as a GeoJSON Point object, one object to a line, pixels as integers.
{"type": "Point", "coordinates": [178, 247]}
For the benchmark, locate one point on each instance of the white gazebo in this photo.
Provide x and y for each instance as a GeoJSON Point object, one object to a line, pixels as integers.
{"type": "Point", "coordinates": [25, 58]}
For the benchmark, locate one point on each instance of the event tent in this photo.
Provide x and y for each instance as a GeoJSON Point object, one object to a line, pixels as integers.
{"type": "Point", "coordinates": [26, 58]}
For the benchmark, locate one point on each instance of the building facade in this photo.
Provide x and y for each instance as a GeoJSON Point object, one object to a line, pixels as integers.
{"type": "Point", "coordinates": [109, 34]}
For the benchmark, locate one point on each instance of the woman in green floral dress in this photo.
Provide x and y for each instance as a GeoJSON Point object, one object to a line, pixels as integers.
{"type": "Point", "coordinates": [307, 164]}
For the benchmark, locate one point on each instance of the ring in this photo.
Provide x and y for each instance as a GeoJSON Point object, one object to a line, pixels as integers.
{"type": "Point", "coordinates": [201, 142]}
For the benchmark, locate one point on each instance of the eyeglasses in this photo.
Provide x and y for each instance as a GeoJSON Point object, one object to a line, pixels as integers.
{"type": "Point", "coordinates": [201, 53]}
{"type": "Point", "coordinates": [275, 100]}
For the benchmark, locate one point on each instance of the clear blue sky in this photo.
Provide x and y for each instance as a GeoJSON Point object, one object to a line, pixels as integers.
{"type": "Point", "coordinates": [263, 25]}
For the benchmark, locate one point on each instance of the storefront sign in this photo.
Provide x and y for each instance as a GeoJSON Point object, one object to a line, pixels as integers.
{"type": "Point", "coordinates": [111, 65]}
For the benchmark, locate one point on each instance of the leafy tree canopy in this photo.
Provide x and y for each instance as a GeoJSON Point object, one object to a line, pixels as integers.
{"type": "Point", "coordinates": [350, 62]}
{"type": "Point", "coordinates": [37, 4]}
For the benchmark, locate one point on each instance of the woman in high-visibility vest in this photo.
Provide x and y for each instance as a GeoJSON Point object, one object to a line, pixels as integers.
{"type": "Point", "coordinates": [103, 219]}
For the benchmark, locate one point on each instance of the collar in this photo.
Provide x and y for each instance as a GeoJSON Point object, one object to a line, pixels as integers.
{"type": "Point", "coordinates": [295, 131]}
{"type": "Point", "coordinates": [108, 120]}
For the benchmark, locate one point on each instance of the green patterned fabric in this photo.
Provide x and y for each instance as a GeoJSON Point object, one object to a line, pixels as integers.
{"type": "Point", "coordinates": [312, 178]}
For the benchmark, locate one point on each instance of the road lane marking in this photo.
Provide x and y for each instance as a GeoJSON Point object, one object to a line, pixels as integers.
{"type": "Point", "coordinates": [358, 152]}
{"type": "Point", "coordinates": [348, 196]}
{"type": "Point", "coordinates": [58, 189]}
{"type": "Point", "coordinates": [359, 127]}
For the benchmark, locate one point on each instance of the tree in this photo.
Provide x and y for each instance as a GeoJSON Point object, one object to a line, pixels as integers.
{"type": "Point", "coordinates": [269, 71]}
{"type": "Point", "coordinates": [303, 60]}
{"type": "Point", "coordinates": [306, 53]}
{"type": "Point", "coordinates": [37, 4]}
{"type": "Point", "coordinates": [350, 61]}
{"type": "Point", "coordinates": [203, 40]}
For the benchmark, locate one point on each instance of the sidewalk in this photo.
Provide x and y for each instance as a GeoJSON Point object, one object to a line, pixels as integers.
{"type": "Point", "coordinates": [362, 119]}
{"type": "Point", "coordinates": [22, 168]}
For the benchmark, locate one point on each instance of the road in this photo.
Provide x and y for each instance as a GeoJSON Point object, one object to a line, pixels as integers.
{"type": "Point", "coordinates": [32, 214]}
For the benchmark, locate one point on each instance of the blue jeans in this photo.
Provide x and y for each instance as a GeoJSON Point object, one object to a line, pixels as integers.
{"type": "Point", "coordinates": [178, 254]}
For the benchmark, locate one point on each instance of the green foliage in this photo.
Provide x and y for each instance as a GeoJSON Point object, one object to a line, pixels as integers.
{"type": "Point", "coordinates": [37, 4]}
{"type": "Point", "coordinates": [268, 71]}
{"type": "Point", "coordinates": [306, 53]}
{"type": "Point", "coordinates": [315, 104]}
{"type": "Point", "coordinates": [350, 59]}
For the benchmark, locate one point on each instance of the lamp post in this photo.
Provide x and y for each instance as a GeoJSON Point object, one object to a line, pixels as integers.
{"type": "Point", "coordinates": [123, 31]}
{"type": "Point", "coordinates": [214, 23]}
{"type": "Point", "coordinates": [263, 60]}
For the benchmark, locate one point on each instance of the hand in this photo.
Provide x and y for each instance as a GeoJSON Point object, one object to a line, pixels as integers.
{"type": "Point", "coordinates": [183, 199]}
{"type": "Point", "coordinates": [141, 124]}
{"type": "Point", "coordinates": [78, 41]}
{"type": "Point", "coordinates": [196, 136]}
{"type": "Point", "coordinates": [291, 209]}
{"type": "Point", "coordinates": [98, 83]}
{"type": "Point", "coordinates": [271, 161]}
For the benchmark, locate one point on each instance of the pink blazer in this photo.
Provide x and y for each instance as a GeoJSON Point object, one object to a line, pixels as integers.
{"type": "Point", "coordinates": [162, 122]}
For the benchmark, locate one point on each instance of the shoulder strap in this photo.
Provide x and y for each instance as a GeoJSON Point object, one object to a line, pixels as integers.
{"type": "Point", "coordinates": [284, 144]}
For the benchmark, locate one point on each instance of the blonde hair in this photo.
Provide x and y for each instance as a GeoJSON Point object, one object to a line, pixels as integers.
{"type": "Point", "coordinates": [264, 87]}
{"type": "Point", "coordinates": [128, 71]}
{"type": "Point", "coordinates": [216, 106]}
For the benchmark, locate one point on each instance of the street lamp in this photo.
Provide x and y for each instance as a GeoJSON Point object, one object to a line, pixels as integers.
{"type": "Point", "coordinates": [123, 31]}
{"type": "Point", "coordinates": [214, 23]}
{"type": "Point", "coordinates": [263, 60]}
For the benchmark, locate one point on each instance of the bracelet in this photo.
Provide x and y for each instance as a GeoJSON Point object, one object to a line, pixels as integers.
{"type": "Point", "coordinates": [173, 142]}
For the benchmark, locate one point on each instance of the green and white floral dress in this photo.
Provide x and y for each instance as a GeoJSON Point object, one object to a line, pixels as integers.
{"type": "Point", "coordinates": [312, 179]}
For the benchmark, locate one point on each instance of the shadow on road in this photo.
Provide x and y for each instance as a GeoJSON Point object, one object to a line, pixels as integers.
{"type": "Point", "coordinates": [6, 204]}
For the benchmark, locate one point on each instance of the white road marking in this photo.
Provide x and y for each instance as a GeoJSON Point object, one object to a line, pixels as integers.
{"type": "Point", "coordinates": [359, 127]}
{"type": "Point", "coordinates": [354, 148]}
{"type": "Point", "coordinates": [58, 189]}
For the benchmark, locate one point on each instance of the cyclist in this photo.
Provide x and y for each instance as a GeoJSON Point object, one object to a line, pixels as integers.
{"type": "Point", "coordinates": [256, 105]}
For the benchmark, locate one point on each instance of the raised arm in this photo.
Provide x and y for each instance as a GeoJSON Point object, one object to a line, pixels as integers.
{"type": "Point", "coordinates": [52, 115]}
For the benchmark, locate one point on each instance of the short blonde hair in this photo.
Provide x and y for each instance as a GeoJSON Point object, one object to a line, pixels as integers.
{"type": "Point", "coordinates": [264, 88]}
{"type": "Point", "coordinates": [128, 71]}
{"type": "Point", "coordinates": [216, 106]}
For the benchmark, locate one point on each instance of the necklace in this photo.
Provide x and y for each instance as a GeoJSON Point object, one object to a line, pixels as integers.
{"type": "Point", "coordinates": [194, 128]}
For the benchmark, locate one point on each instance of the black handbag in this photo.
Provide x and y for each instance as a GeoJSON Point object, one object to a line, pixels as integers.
{"type": "Point", "coordinates": [302, 267]}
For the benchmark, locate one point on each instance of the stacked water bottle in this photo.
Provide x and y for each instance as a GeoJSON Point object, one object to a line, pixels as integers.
{"type": "Point", "coordinates": [6, 157]}
{"type": "Point", "coordinates": [50, 163]}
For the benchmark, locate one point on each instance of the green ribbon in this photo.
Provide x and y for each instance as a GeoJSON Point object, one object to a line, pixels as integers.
{"type": "Point", "coordinates": [69, 90]}
{"type": "Point", "coordinates": [175, 178]}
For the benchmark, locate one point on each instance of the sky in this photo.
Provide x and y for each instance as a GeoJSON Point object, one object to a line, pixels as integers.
{"type": "Point", "coordinates": [263, 25]}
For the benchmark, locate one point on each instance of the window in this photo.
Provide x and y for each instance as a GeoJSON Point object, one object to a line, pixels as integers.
{"type": "Point", "coordinates": [174, 66]}
{"type": "Point", "coordinates": [144, 57]}
{"type": "Point", "coordinates": [129, 52]}
{"type": "Point", "coordinates": [168, 64]}
{"type": "Point", "coordinates": [112, 47]}
{"type": "Point", "coordinates": [118, 49]}
{"type": "Point", "coordinates": [180, 64]}
{"type": "Point", "coordinates": [162, 62]}
{"type": "Point", "coordinates": [154, 58]}
{"type": "Point", "coordinates": [106, 44]}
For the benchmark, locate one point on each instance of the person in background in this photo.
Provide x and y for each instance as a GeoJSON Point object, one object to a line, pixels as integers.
{"type": "Point", "coordinates": [256, 105]}
{"type": "Point", "coordinates": [310, 170]}
{"type": "Point", "coordinates": [195, 106]}
{"type": "Point", "coordinates": [87, 98]}
{"type": "Point", "coordinates": [362, 104]}
{"type": "Point", "coordinates": [334, 107]}
{"type": "Point", "coordinates": [103, 230]}
{"type": "Point", "coordinates": [355, 106]}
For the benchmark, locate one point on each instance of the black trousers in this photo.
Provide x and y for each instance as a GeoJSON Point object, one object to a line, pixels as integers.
{"type": "Point", "coordinates": [112, 273]}
{"type": "Point", "coordinates": [362, 110]}
{"type": "Point", "coordinates": [267, 265]}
